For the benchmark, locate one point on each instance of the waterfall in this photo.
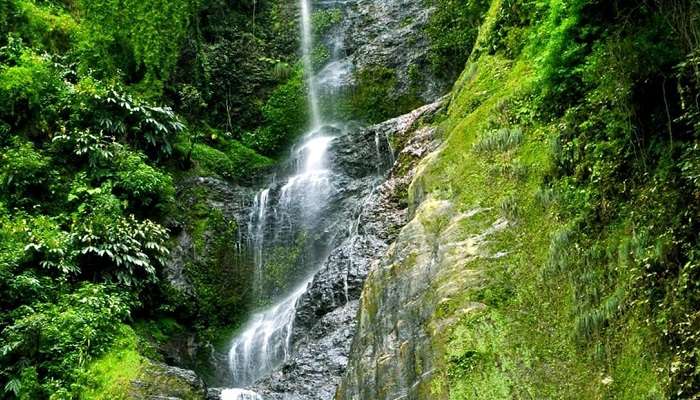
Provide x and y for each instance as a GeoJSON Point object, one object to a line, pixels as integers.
{"type": "Point", "coordinates": [264, 342]}
{"type": "Point", "coordinates": [295, 205]}
{"type": "Point", "coordinates": [256, 234]}
{"type": "Point", "coordinates": [306, 53]}
{"type": "Point", "coordinates": [239, 394]}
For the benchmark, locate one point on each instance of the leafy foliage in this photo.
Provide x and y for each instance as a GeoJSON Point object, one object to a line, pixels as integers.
{"type": "Point", "coordinates": [323, 20]}
{"type": "Point", "coordinates": [90, 143]}
{"type": "Point", "coordinates": [452, 30]}
{"type": "Point", "coordinates": [145, 126]}
{"type": "Point", "coordinates": [110, 43]}
{"type": "Point", "coordinates": [285, 117]}
{"type": "Point", "coordinates": [31, 88]}
{"type": "Point", "coordinates": [47, 340]}
{"type": "Point", "coordinates": [144, 186]}
{"type": "Point", "coordinates": [24, 173]}
{"type": "Point", "coordinates": [114, 248]}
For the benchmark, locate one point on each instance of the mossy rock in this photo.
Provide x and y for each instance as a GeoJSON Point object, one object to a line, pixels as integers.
{"type": "Point", "coordinates": [158, 380]}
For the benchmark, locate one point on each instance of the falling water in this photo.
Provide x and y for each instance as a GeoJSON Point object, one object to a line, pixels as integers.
{"type": "Point", "coordinates": [306, 50]}
{"type": "Point", "coordinates": [256, 234]}
{"type": "Point", "coordinates": [239, 394]}
{"type": "Point", "coordinates": [264, 342]}
{"type": "Point", "coordinates": [291, 206]}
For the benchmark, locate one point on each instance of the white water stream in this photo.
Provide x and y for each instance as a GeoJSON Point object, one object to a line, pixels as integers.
{"type": "Point", "coordinates": [265, 341]}
{"type": "Point", "coordinates": [306, 52]}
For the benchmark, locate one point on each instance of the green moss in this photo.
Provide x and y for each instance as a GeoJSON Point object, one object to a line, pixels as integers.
{"type": "Point", "coordinates": [452, 30]}
{"type": "Point", "coordinates": [282, 268]}
{"type": "Point", "coordinates": [374, 99]}
{"type": "Point", "coordinates": [45, 25]}
{"type": "Point", "coordinates": [560, 320]}
{"type": "Point", "coordinates": [323, 20]}
{"type": "Point", "coordinates": [230, 160]}
{"type": "Point", "coordinates": [285, 116]}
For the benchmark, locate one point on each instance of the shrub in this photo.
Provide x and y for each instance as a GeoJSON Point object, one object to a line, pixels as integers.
{"type": "Point", "coordinates": [102, 116]}
{"type": "Point", "coordinates": [95, 147]}
{"type": "Point", "coordinates": [45, 26]}
{"type": "Point", "coordinates": [113, 248]}
{"type": "Point", "coordinates": [499, 140]}
{"type": "Point", "coordinates": [31, 91]}
{"type": "Point", "coordinates": [452, 30]}
{"type": "Point", "coordinates": [24, 172]}
{"type": "Point", "coordinates": [50, 246]}
{"type": "Point", "coordinates": [233, 162]}
{"type": "Point", "coordinates": [285, 114]}
{"type": "Point", "coordinates": [47, 344]}
{"type": "Point", "coordinates": [144, 186]}
{"type": "Point", "coordinates": [140, 39]}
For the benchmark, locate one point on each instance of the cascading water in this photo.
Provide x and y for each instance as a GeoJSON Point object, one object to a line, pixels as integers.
{"type": "Point", "coordinates": [256, 224]}
{"type": "Point", "coordinates": [265, 340]}
{"type": "Point", "coordinates": [306, 48]}
{"type": "Point", "coordinates": [306, 206]}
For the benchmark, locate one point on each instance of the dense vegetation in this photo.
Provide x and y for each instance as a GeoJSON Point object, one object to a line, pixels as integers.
{"type": "Point", "coordinates": [578, 121]}
{"type": "Point", "coordinates": [105, 106]}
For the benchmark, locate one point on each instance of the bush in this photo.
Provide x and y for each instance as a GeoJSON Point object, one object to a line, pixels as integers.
{"type": "Point", "coordinates": [112, 248]}
{"type": "Point", "coordinates": [499, 140]}
{"type": "Point", "coordinates": [285, 114]}
{"type": "Point", "coordinates": [143, 185]}
{"type": "Point", "coordinates": [46, 25]}
{"type": "Point", "coordinates": [24, 173]}
{"type": "Point", "coordinates": [139, 39]}
{"type": "Point", "coordinates": [452, 31]}
{"type": "Point", "coordinates": [47, 344]}
{"type": "Point", "coordinates": [31, 91]}
{"type": "Point", "coordinates": [49, 246]}
{"type": "Point", "coordinates": [93, 147]}
{"type": "Point", "coordinates": [101, 116]}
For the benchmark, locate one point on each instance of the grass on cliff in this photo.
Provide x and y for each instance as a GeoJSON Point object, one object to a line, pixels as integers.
{"type": "Point", "coordinates": [565, 318]}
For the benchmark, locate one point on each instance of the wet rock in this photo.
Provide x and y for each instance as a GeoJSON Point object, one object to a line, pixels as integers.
{"type": "Point", "coordinates": [206, 250]}
{"type": "Point", "coordinates": [396, 353]}
{"type": "Point", "coordinates": [383, 33]}
{"type": "Point", "coordinates": [207, 193]}
{"type": "Point", "coordinates": [325, 316]}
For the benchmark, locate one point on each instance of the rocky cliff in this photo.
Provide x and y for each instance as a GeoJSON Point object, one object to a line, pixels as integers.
{"type": "Point", "coordinates": [325, 316]}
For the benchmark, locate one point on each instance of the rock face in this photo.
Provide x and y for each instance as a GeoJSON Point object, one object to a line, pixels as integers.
{"type": "Point", "coordinates": [391, 33]}
{"type": "Point", "coordinates": [387, 35]}
{"type": "Point", "coordinates": [394, 353]}
{"type": "Point", "coordinates": [325, 319]}
{"type": "Point", "coordinates": [209, 273]}
{"type": "Point", "coordinates": [232, 202]}
{"type": "Point", "coordinates": [397, 352]}
{"type": "Point", "coordinates": [350, 234]}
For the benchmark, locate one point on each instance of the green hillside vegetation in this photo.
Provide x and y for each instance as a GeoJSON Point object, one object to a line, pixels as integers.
{"type": "Point", "coordinates": [105, 106]}
{"type": "Point", "coordinates": [578, 122]}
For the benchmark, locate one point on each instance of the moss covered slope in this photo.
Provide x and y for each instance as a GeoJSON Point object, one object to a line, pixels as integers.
{"type": "Point", "coordinates": [553, 249]}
